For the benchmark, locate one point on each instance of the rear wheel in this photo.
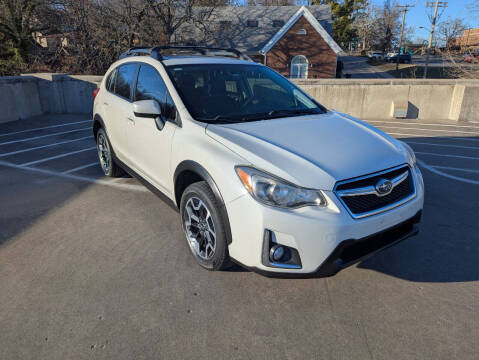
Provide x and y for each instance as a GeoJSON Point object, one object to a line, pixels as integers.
{"type": "Point", "coordinates": [108, 165]}
{"type": "Point", "coordinates": [203, 227]}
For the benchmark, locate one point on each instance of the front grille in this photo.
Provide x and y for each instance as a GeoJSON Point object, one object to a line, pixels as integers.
{"type": "Point", "coordinates": [368, 204]}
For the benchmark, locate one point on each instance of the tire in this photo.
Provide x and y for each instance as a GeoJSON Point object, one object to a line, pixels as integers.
{"type": "Point", "coordinates": [207, 230]}
{"type": "Point", "coordinates": [105, 158]}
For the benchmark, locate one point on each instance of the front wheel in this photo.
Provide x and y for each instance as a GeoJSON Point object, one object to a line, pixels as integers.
{"type": "Point", "coordinates": [203, 227]}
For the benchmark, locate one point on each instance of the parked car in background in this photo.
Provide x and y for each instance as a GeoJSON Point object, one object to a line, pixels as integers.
{"type": "Point", "coordinates": [403, 58]}
{"type": "Point", "coordinates": [472, 57]}
{"type": "Point", "coordinates": [375, 56]}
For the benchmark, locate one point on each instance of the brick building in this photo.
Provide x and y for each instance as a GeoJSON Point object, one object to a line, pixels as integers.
{"type": "Point", "coordinates": [469, 39]}
{"type": "Point", "coordinates": [293, 40]}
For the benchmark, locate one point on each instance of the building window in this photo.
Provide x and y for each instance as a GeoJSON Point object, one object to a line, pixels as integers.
{"type": "Point", "coordinates": [301, 32]}
{"type": "Point", "coordinates": [299, 67]}
{"type": "Point", "coordinates": [278, 23]}
{"type": "Point", "coordinates": [252, 23]}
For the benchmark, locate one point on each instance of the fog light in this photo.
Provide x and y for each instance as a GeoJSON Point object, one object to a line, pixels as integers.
{"type": "Point", "coordinates": [276, 253]}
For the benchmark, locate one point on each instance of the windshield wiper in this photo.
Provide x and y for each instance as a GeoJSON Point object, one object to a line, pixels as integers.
{"type": "Point", "coordinates": [294, 112]}
{"type": "Point", "coordinates": [273, 114]}
{"type": "Point", "coordinates": [217, 119]}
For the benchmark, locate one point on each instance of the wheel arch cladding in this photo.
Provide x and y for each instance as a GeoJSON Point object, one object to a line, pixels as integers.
{"type": "Point", "coordinates": [97, 124]}
{"type": "Point", "coordinates": [189, 172]}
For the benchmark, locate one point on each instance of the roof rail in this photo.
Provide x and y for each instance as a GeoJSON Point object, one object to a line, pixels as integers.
{"type": "Point", "coordinates": [156, 52]}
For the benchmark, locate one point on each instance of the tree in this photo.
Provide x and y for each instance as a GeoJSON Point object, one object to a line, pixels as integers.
{"type": "Point", "coordinates": [344, 13]}
{"type": "Point", "coordinates": [270, 2]}
{"type": "Point", "coordinates": [170, 15]}
{"type": "Point", "coordinates": [364, 23]}
{"type": "Point", "coordinates": [387, 26]}
{"type": "Point", "coordinates": [18, 20]}
{"type": "Point", "coordinates": [449, 30]}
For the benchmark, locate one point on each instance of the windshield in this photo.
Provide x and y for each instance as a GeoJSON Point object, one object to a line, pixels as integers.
{"type": "Point", "coordinates": [237, 93]}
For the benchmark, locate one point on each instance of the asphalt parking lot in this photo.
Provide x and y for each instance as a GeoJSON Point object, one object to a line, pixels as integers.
{"type": "Point", "coordinates": [98, 268]}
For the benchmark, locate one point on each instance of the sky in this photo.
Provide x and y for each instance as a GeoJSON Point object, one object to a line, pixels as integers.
{"type": "Point", "coordinates": [417, 16]}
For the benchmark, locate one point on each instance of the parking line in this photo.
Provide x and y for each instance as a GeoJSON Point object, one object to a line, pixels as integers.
{"type": "Point", "coordinates": [412, 123]}
{"type": "Point", "coordinates": [44, 136]}
{"type": "Point", "coordinates": [45, 127]}
{"type": "Point", "coordinates": [79, 168]}
{"type": "Point", "coordinates": [442, 173]}
{"type": "Point", "coordinates": [422, 135]}
{"type": "Point", "coordinates": [57, 156]}
{"type": "Point", "coordinates": [444, 145]}
{"type": "Point", "coordinates": [447, 155]}
{"type": "Point", "coordinates": [75, 177]}
{"type": "Point", "coordinates": [435, 130]}
{"type": "Point", "coordinates": [455, 168]}
{"type": "Point", "coordinates": [44, 146]}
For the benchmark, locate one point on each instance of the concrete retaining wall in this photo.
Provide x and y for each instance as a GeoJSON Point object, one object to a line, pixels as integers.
{"type": "Point", "coordinates": [378, 98]}
{"type": "Point", "coordinates": [29, 95]}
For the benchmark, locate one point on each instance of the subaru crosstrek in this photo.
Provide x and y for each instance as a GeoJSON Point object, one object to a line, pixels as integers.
{"type": "Point", "coordinates": [262, 174]}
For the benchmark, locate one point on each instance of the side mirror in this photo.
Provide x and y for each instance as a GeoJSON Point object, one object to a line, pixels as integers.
{"type": "Point", "coordinates": [146, 108]}
{"type": "Point", "coordinates": [149, 109]}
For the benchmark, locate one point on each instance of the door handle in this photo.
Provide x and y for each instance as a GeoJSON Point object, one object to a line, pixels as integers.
{"type": "Point", "coordinates": [131, 120]}
{"type": "Point", "coordinates": [105, 103]}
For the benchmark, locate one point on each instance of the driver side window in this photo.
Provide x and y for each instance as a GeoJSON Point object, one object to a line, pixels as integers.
{"type": "Point", "coordinates": [150, 86]}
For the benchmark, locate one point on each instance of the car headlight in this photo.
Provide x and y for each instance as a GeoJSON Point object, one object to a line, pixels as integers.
{"type": "Point", "coordinates": [273, 191]}
{"type": "Point", "coordinates": [411, 154]}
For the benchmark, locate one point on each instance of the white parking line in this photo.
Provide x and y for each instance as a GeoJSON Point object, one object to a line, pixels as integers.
{"type": "Point", "coordinates": [413, 123]}
{"type": "Point", "coordinates": [76, 177]}
{"type": "Point", "coordinates": [44, 146]}
{"type": "Point", "coordinates": [422, 135]}
{"type": "Point", "coordinates": [45, 127]}
{"type": "Point", "coordinates": [57, 156]}
{"type": "Point", "coordinates": [80, 168]}
{"type": "Point", "coordinates": [444, 145]}
{"type": "Point", "coordinates": [447, 155]}
{"type": "Point", "coordinates": [455, 168]}
{"type": "Point", "coordinates": [435, 130]}
{"type": "Point", "coordinates": [442, 173]}
{"type": "Point", "coordinates": [44, 136]}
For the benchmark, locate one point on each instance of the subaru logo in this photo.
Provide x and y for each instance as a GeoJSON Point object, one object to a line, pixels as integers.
{"type": "Point", "coordinates": [384, 186]}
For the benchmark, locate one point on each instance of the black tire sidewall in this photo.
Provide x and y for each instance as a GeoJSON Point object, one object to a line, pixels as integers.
{"type": "Point", "coordinates": [202, 191]}
{"type": "Point", "coordinates": [107, 141]}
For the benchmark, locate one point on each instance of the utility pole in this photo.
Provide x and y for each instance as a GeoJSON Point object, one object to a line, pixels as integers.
{"type": "Point", "coordinates": [404, 9]}
{"type": "Point", "coordinates": [436, 5]}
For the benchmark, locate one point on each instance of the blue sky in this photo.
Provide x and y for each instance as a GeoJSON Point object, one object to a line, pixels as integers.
{"type": "Point", "coordinates": [417, 16]}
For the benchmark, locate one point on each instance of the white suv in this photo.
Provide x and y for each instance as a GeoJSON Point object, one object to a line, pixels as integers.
{"type": "Point", "coordinates": [261, 173]}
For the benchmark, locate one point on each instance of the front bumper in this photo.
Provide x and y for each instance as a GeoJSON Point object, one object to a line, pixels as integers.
{"type": "Point", "coordinates": [326, 239]}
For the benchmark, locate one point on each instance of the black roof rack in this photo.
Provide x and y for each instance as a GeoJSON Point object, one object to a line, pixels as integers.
{"type": "Point", "coordinates": [156, 52]}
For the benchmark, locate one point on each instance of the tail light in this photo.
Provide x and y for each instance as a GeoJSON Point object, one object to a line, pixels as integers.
{"type": "Point", "coordinates": [95, 93]}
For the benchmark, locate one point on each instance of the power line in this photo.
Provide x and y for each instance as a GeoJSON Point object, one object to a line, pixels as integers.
{"type": "Point", "coordinates": [404, 10]}
{"type": "Point", "coordinates": [430, 4]}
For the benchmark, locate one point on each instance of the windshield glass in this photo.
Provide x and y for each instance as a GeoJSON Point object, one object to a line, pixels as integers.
{"type": "Point", "coordinates": [238, 93]}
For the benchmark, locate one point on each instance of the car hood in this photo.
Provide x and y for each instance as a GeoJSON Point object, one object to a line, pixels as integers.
{"type": "Point", "coordinates": [312, 151]}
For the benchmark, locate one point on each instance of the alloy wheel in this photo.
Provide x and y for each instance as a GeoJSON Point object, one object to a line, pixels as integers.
{"type": "Point", "coordinates": [199, 228]}
{"type": "Point", "coordinates": [103, 153]}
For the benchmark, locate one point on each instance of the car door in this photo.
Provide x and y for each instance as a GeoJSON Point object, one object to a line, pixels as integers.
{"type": "Point", "coordinates": [149, 146]}
{"type": "Point", "coordinates": [118, 107]}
